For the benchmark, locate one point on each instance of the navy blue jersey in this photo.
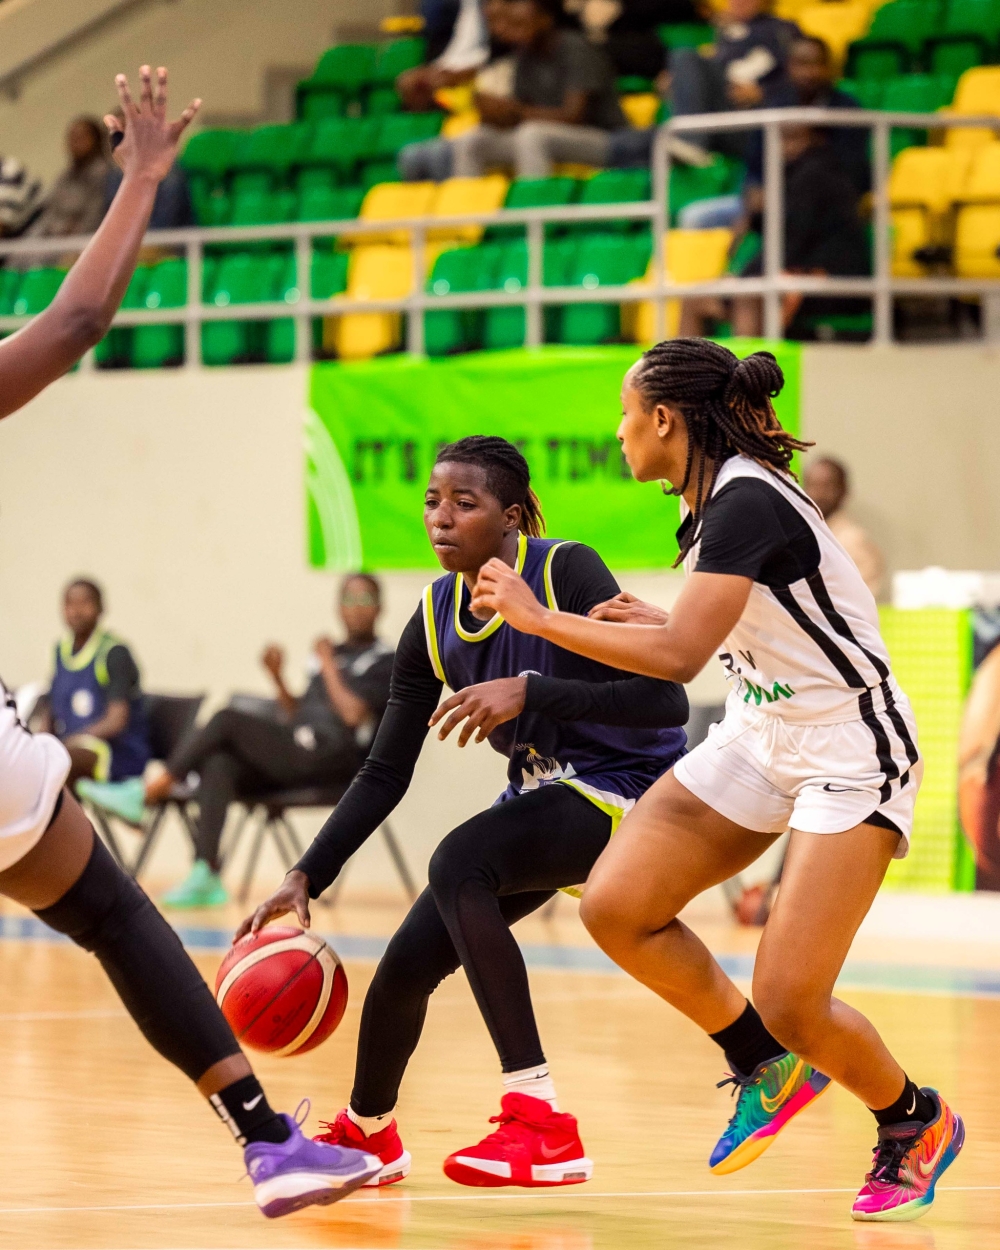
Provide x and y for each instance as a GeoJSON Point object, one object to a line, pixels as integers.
{"type": "Point", "coordinates": [612, 765]}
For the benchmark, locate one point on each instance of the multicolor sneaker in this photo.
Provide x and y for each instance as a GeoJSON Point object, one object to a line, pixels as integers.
{"type": "Point", "coordinates": [534, 1146]}
{"type": "Point", "coordinates": [301, 1173]}
{"type": "Point", "coordinates": [385, 1145]}
{"type": "Point", "coordinates": [907, 1163]}
{"type": "Point", "coordinates": [768, 1098]}
{"type": "Point", "coordinates": [125, 799]}
{"type": "Point", "coordinates": [201, 888]}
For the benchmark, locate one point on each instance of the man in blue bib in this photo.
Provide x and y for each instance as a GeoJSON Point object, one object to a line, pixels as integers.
{"type": "Point", "coordinates": [95, 701]}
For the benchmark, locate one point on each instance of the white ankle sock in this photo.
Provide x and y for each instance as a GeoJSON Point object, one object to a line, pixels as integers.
{"type": "Point", "coordinates": [535, 1082]}
{"type": "Point", "coordinates": [370, 1124]}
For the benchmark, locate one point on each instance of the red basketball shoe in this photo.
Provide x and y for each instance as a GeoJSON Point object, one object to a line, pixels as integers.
{"type": "Point", "coordinates": [384, 1144]}
{"type": "Point", "coordinates": [533, 1146]}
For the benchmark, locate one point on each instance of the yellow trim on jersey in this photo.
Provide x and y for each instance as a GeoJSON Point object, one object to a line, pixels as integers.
{"type": "Point", "coordinates": [616, 813]}
{"type": "Point", "coordinates": [430, 634]}
{"type": "Point", "coordinates": [550, 594]}
{"type": "Point", "coordinates": [496, 620]}
{"type": "Point", "coordinates": [74, 661]}
{"type": "Point", "coordinates": [101, 748]}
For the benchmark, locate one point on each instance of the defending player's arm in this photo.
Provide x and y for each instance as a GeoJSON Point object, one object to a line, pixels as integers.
{"type": "Point", "coordinates": [373, 794]}
{"type": "Point", "coordinates": [88, 299]}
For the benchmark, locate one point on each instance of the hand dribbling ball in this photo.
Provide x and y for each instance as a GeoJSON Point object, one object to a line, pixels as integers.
{"type": "Point", "coordinates": [282, 990]}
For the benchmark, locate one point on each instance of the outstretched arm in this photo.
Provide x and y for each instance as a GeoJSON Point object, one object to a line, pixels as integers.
{"type": "Point", "coordinates": [706, 610]}
{"type": "Point", "coordinates": [88, 299]}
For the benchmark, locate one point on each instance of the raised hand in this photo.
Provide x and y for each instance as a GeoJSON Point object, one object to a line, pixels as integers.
{"type": "Point", "coordinates": [499, 589]}
{"type": "Point", "coordinates": [273, 659]}
{"type": "Point", "coordinates": [291, 895]}
{"type": "Point", "coordinates": [627, 608]}
{"type": "Point", "coordinates": [148, 147]}
{"type": "Point", "coordinates": [482, 707]}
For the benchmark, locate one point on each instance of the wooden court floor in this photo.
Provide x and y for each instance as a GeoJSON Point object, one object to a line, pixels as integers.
{"type": "Point", "coordinates": [103, 1145]}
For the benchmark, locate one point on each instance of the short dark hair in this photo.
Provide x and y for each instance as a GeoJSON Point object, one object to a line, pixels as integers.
{"type": "Point", "coordinates": [823, 46]}
{"type": "Point", "coordinates": [373, 583]}
{"type": "Point", "coordinates": [838, 467]}
{"type": "Point", "coordinates": [90, 587]}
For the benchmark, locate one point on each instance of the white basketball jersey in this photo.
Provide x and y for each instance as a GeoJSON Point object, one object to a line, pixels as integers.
{"type": "Point", "coordinates": [811, 651]}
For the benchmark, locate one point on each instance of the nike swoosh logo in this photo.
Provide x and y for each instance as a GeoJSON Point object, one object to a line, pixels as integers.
{"type": "Point", "coordinates": [841, 789]}
{"type": "Point", "coordinates": [926, 1170]}
{"type": "Point", "coordinates": [551, 1154]}
{"type": "Point", "coordinates": [249, 1106]}
{"type": "Point", "coordinates": [771, 1105]}
{"type": "Point", "coordinates": [913, 1106]}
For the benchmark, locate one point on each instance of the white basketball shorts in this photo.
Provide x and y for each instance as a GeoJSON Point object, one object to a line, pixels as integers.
{"type": "Point", "coordinates": [769, 774]}
{"type": "Point", "coordinates": [33, 769]}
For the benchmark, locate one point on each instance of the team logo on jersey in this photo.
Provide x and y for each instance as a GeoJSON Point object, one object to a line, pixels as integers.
{"type": "Point", "coordinates": [82, 704]}
{"type": "Point", "coordinates": [748, 689]}
{"type": "Point", "coordinates": [541, 770]}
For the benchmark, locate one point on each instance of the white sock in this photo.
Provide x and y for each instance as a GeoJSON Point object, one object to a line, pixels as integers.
{"type": "Point", "coordinates": [535, 1082]}
{"type": "Point", "coordinates": [370, 1124]}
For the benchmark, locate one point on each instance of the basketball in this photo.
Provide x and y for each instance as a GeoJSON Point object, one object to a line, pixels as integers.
{"type": "Point", "coordinates": [283, 991]}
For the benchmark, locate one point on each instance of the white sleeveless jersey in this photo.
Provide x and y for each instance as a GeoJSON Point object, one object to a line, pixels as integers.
{"type": "Point", "coordinates": [810, 652]}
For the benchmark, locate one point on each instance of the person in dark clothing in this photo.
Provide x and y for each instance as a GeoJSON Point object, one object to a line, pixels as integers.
{"type": "Point", "coordinates": [627, 30]}
{"type": "Point", "coordinates": [824, 233]}
{"type": "Point", "coordinates": [320, 738]}
{"type": "Point", "coordinates": [583, 743]}
{"type": "Point", "coordinates": [750, 58]}
{"type": "Point", "coordinates": [809, 83]}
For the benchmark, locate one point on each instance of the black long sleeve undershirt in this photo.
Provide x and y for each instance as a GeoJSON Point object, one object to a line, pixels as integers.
{"type": "Point", "coordinates": [581, 580]}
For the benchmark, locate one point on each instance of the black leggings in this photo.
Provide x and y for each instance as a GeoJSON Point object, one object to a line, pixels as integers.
{"type": "Point", "coordinates": [496, 868]}
{"type": "Point", "coordinates": [239, 753]}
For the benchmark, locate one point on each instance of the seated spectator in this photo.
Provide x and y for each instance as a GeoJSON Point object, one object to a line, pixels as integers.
{"type": "Point", "coordinates": [75, 205]}
{"type": "Point", "coordinates": [95, 704]}
{"type": "Point", "coordinates": [563, 105]}
{"type": "Point", "coordinates": [320, 738]}
{"type": "Point", "coordinates": [172, 208]}
{"type": "Point", "coordinates": [750, 58]}
{"type": "Point", "coordinates": [827, 484]}
{"type": "Point", "coordinates": [466, 51]}
{"type": "Point", "coordinates": [20, 197]}
{"type": "Point", "coordinates": [628, 30]}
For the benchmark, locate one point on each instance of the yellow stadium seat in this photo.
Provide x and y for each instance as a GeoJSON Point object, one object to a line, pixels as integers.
{"type": "Point", "coordinates": [982, 185]}
{"type": "Point", "coordinates": [467, 195]}
{"type": "Point", "coordinates": [389, 200]}
{"type": "Point", "coordinates": [640, 108]}
{"type": "Point", "coordinates": [977, 237]}
{"type": "Point", "coordinates": [911, 229]}
{"type": "Point", "coordinates": [837, 24]}
{"type": "Point", "coordinates": [924, 177]}
{"type": "Point", "coordinates": [692, 256]}
{"type": "Point", "coordinates": [978, 91]}
{"type": "Point", "coordinates": [379, 271]}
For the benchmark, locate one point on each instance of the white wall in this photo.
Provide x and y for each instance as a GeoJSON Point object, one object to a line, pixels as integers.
{"type": "Point", "coordinates": [216, 49]}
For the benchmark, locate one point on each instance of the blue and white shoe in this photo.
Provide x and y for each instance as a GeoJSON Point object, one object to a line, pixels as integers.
{"type": "Point", "coordinates": [298, 1173]}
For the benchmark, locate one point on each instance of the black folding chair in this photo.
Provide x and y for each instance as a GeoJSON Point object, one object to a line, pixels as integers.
{"type": "Point", "coordinates": [168, 717]}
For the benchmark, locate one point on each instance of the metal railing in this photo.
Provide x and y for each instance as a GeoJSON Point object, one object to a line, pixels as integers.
{"type": "Point", "coordinates": [881, 287]}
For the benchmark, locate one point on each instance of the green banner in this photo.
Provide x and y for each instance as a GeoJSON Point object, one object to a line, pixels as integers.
{"type": "Point", "coordinates": [375, 427]}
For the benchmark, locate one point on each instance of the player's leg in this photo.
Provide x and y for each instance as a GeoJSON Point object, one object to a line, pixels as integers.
{"type": "Point", "coordinates": [418, 958]}
{"type": "Point", "coordinates": [531, 844]}
{"type": "Point", "coordinates": [670, 848]}
{"type": "Point", "coordinates": [828, 885]}
{"type": "Point", "coordinates": [70, 881]}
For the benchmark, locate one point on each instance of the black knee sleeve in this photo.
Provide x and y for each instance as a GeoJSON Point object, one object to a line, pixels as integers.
{"type": "Point", "coordinates": [108, 914]}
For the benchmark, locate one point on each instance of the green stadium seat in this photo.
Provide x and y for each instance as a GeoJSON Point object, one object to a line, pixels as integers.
{"type": "Point", "coordinates": [319, 203]}
{"type": "Point", "coordinates": [685, 34]}
{"type": "Point", "coordinates": [970, 22]}
{"type": "Point", "coordinates": [601, 260]}
{"type": "Point", "coordinates": [954, 57]}
{"type": "Point", "coordinates": [328, 276]}
{"type": "Point", "coordinates": [534, 193]}
{"type": "Point", "coordinates": [213, 152]}
{"type": "Point", "coordinates": [632, 84]}
{"type": "Point", "coordinates": [374, 172]}
{"type": "Point", "coordinates": [241, 278]}
{"type": "Point", "coordinates": [396, 57]}
{"type": "Point", "coordinates": [611, 186]}
{"type": "Point", "coordinates": [320, 102]}
{"type": "Point", "coordinates": [114, 351]}
{"type": "Point", "coordinates": [396, 130]}
{"type": "Point", "coordinates": [349, 66]}
{"type": "Point", "coordinates": [250, 182]}
{"type": "Point", "coordinates": [451, 329]}
{"type": "Point", "coordinates": [158, 345]}
{"type": "Point", "coordinates": [689, 183]}
{"type": "Point", "coordinates": [37, 290]}
{"type": "Point", "coordinates": [902, 25]}
{"type": "Point", "coordinates": [878, 63]}
{"type": "Point", "coordinates": [504, 327]}
{"type": "Point", "coordinates": [917, 93]}
{"type": "Point", "coordinates": [282, 284]}
{"type": "Point", "coordinates": [869, 92]}
{"type": "Point", "coordinates": [274, 148]}
{"type": "Point", "coordinates": [342, 141]}
{"type": "Point", "coordinates": [382, 100]}
{"type": "Point", "coordinates": [557, 266]}
{"type": "Point", "coordinates": [10, 281]}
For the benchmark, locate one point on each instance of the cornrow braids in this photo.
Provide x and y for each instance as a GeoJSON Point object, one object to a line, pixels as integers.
{"type": "Point", "coordinates": [726, 404]}
{"type": "Point", "coordinates": [508, 477]}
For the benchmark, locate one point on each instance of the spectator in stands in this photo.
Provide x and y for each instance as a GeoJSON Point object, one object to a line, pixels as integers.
{"type": "Point", "coordinates": [95, 704]}
{"type": "Point", "coordinates": [562, 108]}
{"type": "Point", "coordinates": [75, 205]}
{"type": "Point", "coordinates": [172, 208]}
{"type": "Point", "coordinates": [750, 58]}
{"type": "Point", "coordinates": [20, 197]}
{"type": "Point", "coordinates": [466, 51]}
{"type": "Point", "coordinates": [827, 484]}
{"type": "Point", "coordinates": [628, 30]}
{"type": "Point", "coordinates": [318, 738]}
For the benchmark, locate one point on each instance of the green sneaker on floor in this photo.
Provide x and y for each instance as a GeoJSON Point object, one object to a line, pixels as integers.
{"type": "Point", "coordinates": [126, 799]}
{"type": "Point", "coordinates": [202, 888]}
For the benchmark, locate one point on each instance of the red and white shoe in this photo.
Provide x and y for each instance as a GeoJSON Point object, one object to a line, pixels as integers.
{"type": "Point", "coordinates": [534, 1146]}
{"type": "Point", "coordinates": [384, 1144]}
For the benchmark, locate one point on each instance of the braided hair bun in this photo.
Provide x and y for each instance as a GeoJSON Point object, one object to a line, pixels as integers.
{"type": "Point", "coordinates": [726, 405]}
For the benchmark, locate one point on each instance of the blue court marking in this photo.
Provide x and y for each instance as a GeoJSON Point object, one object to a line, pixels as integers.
{"type": "Point", "coordinates": [857, 974]}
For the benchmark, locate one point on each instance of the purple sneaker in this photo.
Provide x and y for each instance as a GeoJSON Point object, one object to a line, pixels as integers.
{"type": "Point", "coordinates": [301, 1173]}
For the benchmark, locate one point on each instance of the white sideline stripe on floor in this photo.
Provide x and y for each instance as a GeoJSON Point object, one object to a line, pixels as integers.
{"type": "Point", "coordinates": [383, 1200]}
